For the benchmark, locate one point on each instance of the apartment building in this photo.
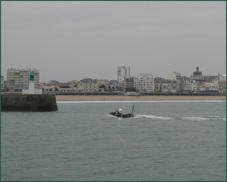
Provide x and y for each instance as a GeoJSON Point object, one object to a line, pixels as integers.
{"type": "Point", "coordinates": [113, 84]}
{"type": "Point", "coordinates": [144, 82]}
{"type": "Point", "coordinates": [122, 73]}
{"type": "Point", "coordinates": [122, 84]}
{"type": "Point", "coordinates": [88, 85]}
{"type": "Point", "coordinates": [176, 76]}
{"type": "Point", "coordinates": [169, 86]}
{"type": "Point", "coordinates": [18, 79]}
{"type": "Point", "coordinates": [106, 83]}
{"type": "Point", "coordinates": [53, 82]}
{"type": "Point", "coordinates": [158, 84]}
{"type": "Point", "coordinates": [209, 86]}
{"type": "Point", "coordinates": [221, 86]}
{"type": "Point", "coordinates": [46, 89]}
{"type": "Point", "coordinates": [2, 83]}
{"type": "Point", "coordinates": [190, 86]}
{"type": "Point", "coordinates": [129, 82]}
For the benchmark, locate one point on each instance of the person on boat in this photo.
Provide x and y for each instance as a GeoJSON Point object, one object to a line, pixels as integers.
{"type": "Point", "coordinates": [116, 111]}
{"type": "Point", "coordinates": [120, 112]}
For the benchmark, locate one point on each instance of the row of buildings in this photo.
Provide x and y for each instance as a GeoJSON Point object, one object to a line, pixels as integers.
{"type": "Point", "coordinates": [17, 80]}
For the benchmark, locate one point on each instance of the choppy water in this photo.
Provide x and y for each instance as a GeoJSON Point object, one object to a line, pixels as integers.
{"type": "Point", "coordinates": [166, 140]}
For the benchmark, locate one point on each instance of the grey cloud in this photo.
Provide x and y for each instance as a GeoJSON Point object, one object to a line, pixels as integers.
{"type": "Point", "coordinates": [73, 40]}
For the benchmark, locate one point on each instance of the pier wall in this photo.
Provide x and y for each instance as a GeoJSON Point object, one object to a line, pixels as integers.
{"type": "Point", "coordinates": [28, 102]}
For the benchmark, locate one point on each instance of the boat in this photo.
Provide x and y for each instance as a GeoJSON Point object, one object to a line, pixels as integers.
{"type": "Point", "coordinates": [118, 113]}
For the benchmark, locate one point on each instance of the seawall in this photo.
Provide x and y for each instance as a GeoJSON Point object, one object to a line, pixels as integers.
{"type": "Point", "coordinates": [28, 102]}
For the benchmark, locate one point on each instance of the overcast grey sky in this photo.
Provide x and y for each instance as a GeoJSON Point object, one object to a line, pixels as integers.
{"type": "Point", "coordinates": [76, 40]}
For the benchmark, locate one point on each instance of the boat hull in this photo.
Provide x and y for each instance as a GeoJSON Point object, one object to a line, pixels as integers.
{"type": "Point", "coordinates": [120, 115]}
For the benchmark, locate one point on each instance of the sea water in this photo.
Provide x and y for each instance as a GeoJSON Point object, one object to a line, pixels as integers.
{"type": "Point", "coordinates": [166, 140]}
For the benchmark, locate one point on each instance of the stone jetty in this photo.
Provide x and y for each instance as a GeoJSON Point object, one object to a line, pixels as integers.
{"type": "Point", "coordinates": [28, 102]}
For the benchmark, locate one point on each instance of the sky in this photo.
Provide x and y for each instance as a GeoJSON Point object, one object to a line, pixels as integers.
{"type": "Point", "coordinates": [73, 40]}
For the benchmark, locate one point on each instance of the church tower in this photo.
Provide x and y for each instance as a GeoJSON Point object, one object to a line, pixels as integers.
{"type": "Point", "coordinates": [197, 73]}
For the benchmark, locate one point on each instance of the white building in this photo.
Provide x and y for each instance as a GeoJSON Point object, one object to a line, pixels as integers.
{"type": "Point", "coordinates": [158, 84]}
{"type": "Point", "coordinates": [221, 86]}
{"type": "Point", "coordinates": [122, 73]}
{"type": "Point", "coordinates": [88, 85]}
{"type": "Point", "coordinates": [2, 83]}
{"type": "Point", "coordinates": [176, 76]}
{"type": "Point", "coordinates": [48, 89]}
{"type": "Point", "coordinates": [53, 82]}
{"type": "Point", "coordinates": [113, 84]}
{"type": "Point", "coordinates": [66, 90]}
{"type": "Point", "coordinates": [169, 86]}
{"type": "Point", "coordinates": [209, 86]}
{"type": "Point", "coordinates": [66, 87]}
{"type": "Point", "coordinates": [190, 86]}
{"type": "Point", "coordinates": [18, 79]}
{"type": "Point", "coordinates": [101, 82]}
{"type": "Point", "coordinates": [221, 77]}
{"type": "Point", "coordinates": [144, 82]}
{"type": "Point", "coordinates": [219, 83]}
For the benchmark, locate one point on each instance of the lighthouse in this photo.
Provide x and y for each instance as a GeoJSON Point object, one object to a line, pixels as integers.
{"type": "Point", "coordinates": [31, 87]}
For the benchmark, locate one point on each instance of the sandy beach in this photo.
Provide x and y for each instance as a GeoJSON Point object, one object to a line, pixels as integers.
{"type": "Point", "coordinates": [132, 98]}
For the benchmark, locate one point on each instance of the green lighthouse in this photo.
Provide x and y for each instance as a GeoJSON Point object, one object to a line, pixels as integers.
{"type": "Point", "coordinates": [32, 77]}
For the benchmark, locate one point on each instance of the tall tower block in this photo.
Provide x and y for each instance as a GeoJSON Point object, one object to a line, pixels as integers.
{"type": "Point", "coordinates": [122, 73]}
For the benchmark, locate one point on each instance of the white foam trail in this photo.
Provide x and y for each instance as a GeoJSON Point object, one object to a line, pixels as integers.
{"type": "Point", "coordinates": [217, 117]}
{"type": "Point", "coordinates": [151, 117]}
{"type": "Point", "coordinates": [126, 101]}
{"type": "Point", "coordinates": [192, 118]}
{"type": "Point", "coordinates": [195, 118]}
{"type": "Point", "coordinates": [111, 116]}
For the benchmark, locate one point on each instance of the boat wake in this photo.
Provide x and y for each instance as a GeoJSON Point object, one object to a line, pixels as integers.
{"type": "Point", "coordinates": [151, 117]}
{"type": "Point", "coordinates": [196, 118]}
{"type": "Point", "coordinates": [192, 118]}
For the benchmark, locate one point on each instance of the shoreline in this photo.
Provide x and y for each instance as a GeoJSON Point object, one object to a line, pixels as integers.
{"type": "Point", "coordinates": [132, 98]}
